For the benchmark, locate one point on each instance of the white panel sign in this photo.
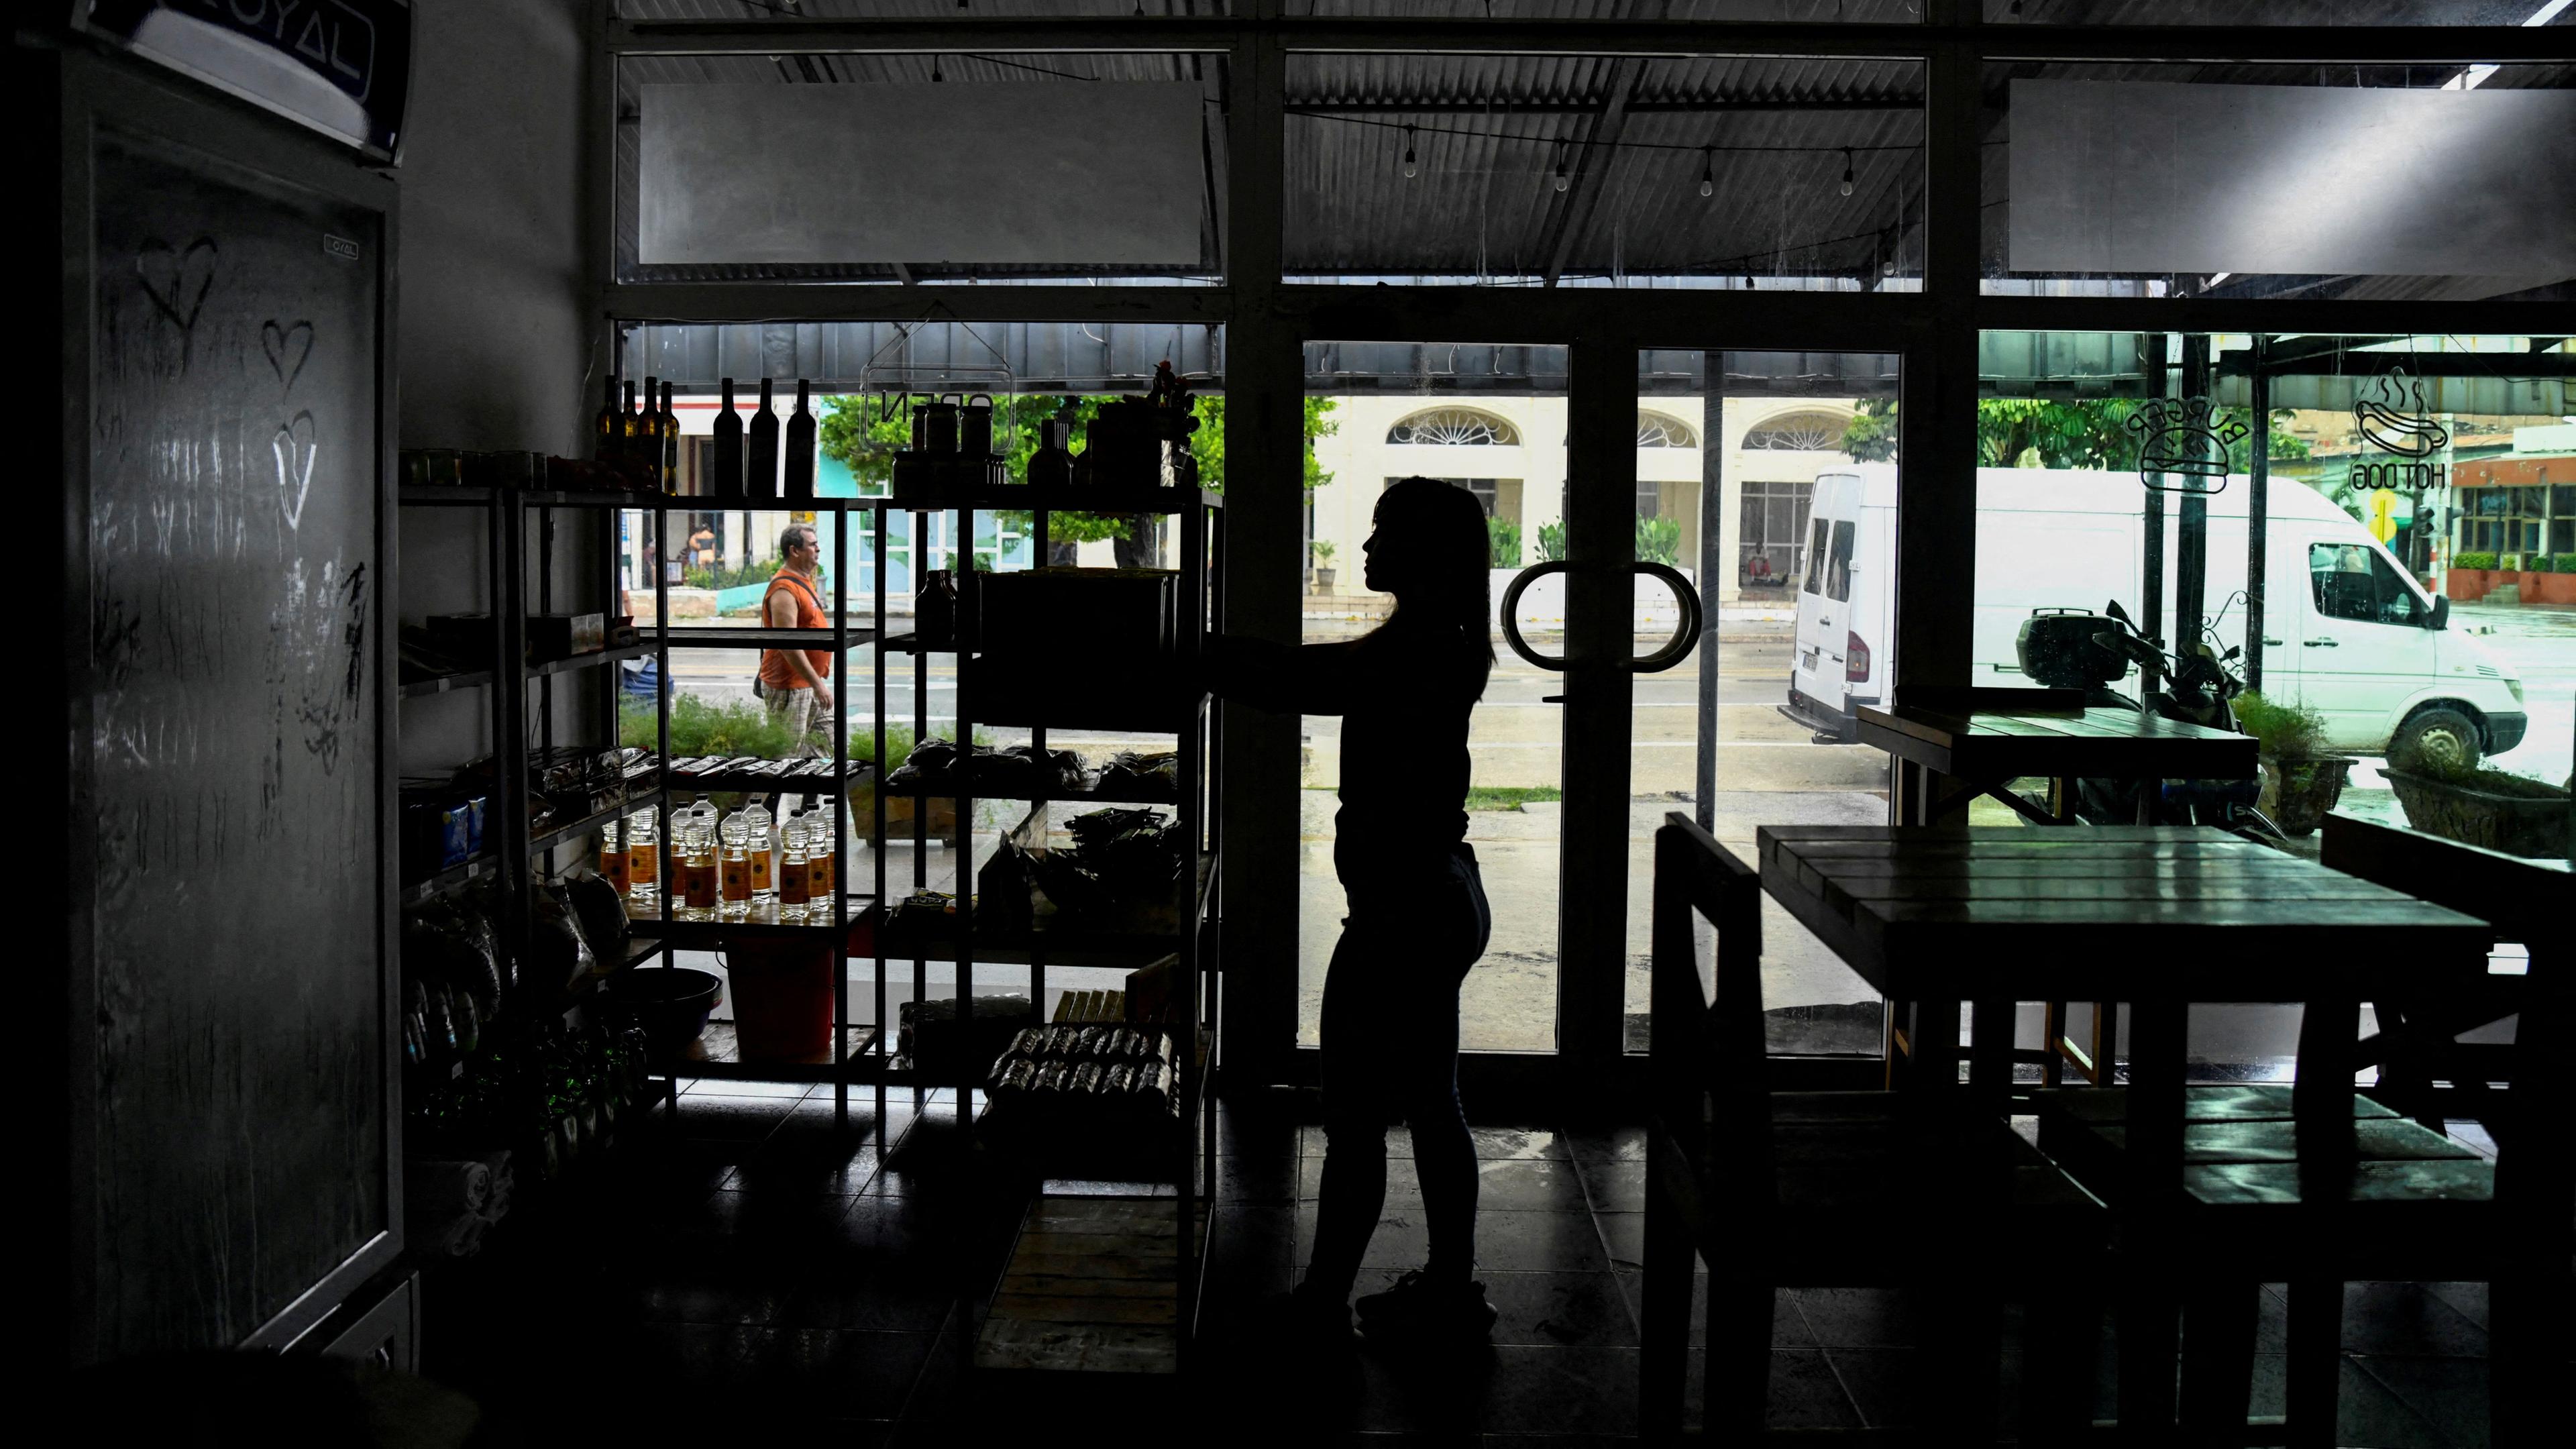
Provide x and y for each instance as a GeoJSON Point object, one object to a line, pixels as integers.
{"type": "Point", "coordinates": [2113, 177]}
{"type": "Point", "coordinates": [1109, 174]}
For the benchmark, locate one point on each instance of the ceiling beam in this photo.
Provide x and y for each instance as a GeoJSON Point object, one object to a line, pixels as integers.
{"type": "Point", "coordinates": [1862, 105]}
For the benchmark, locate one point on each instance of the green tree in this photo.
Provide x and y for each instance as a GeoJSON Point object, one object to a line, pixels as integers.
{"type": "Point", "coordinates": [864, 433]}
{"type": "Point", "coordinates": [1659, 540]}
{"type": "Point", "coordinates": [1503, 537]}
{"type": "Point", "coordinates": [1870, 436]}
{"type": "Point", "coordinates": [2044, 433]}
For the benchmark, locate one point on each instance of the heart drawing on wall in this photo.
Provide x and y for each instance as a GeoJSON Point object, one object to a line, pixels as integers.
{"type": "Point", "coordinates": [296, 448]}
{"type": "Point", "coordinates": [177, 281]}
{"type": "Point", "coordinates": [278, 342]}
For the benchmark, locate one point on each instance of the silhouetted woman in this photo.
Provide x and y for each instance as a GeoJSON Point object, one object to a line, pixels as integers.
{"type": "Point", "coordinates": [1418, 917]}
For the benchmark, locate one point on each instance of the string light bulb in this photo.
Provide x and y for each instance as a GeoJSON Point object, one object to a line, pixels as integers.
{"type": "Point", "coordinates": [935, 76]}
{"type": "Point", "coordinates": [1708, 172]}
{"type": "Point", "coordinates": [1408, 153]}
{"type": "Point", "coordinates": [1561, 181]}
{"type": "Point", "coordinates": [1847, 172]}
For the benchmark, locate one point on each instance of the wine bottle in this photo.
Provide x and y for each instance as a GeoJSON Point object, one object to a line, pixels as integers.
{"type": "Point", "coordinates": [670, 459]}
{"type": "Point", "coordinates": [608, 430]}
{"type": "Point", "coordinates": [800, 446]}
{"type": "Point", "coordinates": [627, 423]}
{"type": "Point", "coordinates": [728, 481]}
{"type": "Point", "coordinates": [646, 458]}
{"type": "Point", "coordinates": [762, 459]}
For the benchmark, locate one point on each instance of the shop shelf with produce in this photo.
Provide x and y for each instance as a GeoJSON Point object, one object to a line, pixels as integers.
{"type": "Point", "coordinates": [1016, 692]}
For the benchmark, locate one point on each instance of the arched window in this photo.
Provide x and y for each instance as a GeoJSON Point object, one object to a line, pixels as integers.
{"type": "Point", "coordinates": [1796, 433]}
{"type": "Point", "coordinates": [1656, 430]}
{"type": "Point", "coordinates": [1455, 427]}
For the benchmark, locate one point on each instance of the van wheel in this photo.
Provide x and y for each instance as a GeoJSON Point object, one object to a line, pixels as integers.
{"type": "Point", "coordinates": [2440, 737]}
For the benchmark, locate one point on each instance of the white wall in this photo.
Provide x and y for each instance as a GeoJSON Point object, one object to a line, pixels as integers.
{"type": "Point", "coordinates": [1361, 460]}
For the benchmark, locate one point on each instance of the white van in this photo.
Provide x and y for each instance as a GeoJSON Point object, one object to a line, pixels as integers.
{"type": "Point", "coordinates": [2346, 629]}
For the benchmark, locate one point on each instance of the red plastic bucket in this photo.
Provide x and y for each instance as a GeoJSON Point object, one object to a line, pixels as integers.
{"type": "Point", "coordinates": [782, 999]}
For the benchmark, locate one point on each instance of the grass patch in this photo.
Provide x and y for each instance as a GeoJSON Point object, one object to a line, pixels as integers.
{"type": "Point", "coordinates": [1510, 797]}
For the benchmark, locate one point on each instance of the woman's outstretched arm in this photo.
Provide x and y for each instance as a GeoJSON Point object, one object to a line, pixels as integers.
{"type": "Point", "coordinates": [1284, 678]}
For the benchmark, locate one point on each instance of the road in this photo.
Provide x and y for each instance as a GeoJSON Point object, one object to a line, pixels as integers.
{"type": "Point", "coordinates": [1516, 732]}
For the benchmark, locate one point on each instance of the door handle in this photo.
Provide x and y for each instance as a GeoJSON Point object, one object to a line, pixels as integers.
{"type": "Point", "coordinates": [1674, 651]}
{"type": "Point", "coordinates": [2271, 641]}
{"type": "Point", "coordinates": [2319, 644]}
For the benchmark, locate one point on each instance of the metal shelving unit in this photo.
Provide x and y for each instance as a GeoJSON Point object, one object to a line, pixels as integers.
{"type": "Point", "coordinates": [514, 850]}
{"type": "Point", "coordinates": [1190, 716]}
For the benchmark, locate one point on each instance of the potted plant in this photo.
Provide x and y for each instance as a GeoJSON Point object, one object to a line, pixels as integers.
{"type": "Point", "coordinates": [2302, 779]}
{"type": "Point", "coordinates": [1323, 551]}
{"type": "Point", "coordinates": [2483, 806]}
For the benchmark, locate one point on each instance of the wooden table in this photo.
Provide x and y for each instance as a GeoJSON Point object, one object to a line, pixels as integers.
{"type": "Point", "coordinates": [2159, 917]}
{"type": "Point", "coordinates": [1988, 738]}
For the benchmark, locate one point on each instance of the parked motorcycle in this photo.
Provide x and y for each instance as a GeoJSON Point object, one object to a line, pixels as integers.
{"type": "Point", "coordinates": [2064, 649]}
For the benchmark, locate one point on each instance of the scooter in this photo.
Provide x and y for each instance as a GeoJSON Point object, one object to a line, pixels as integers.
{"type": "Point", "coordinates": [2200, 689]}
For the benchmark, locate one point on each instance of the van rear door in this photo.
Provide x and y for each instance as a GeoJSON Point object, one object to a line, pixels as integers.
{"type": "Point", "coordinates": [1817, 690]}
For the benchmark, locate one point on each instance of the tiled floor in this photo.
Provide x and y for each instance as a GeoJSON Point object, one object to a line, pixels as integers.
{"type": "Point", "coordinates": [760, 1270]}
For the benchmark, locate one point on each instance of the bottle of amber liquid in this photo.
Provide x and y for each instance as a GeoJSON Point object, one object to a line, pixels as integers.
{"type": "Point", "coordinates": [794, 879]}
{"type": "Point", "coordinates": [757, 839]}
{"type": "Point", "coordinates": [733, 874]}
{"type": "Point", "coordinates": [613, 861]}
{"type": "Point", "coordinates": [643, 857]}
{"type": "Point", "coordinates": [820, 827]}
{"type": "Point", "coordinates": [698, 874]}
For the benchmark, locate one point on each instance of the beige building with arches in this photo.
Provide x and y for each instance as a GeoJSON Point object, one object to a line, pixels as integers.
{"type": "Point", "coordinates": [1510, 451]}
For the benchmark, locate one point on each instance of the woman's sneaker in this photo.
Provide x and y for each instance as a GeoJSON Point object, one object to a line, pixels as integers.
{"type": "Point", "coordinates": [1423, 1309]}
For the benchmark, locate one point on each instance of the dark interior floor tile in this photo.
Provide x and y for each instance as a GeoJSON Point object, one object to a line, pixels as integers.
{"type": "Point", "coordinates": [1403, 1183]}
{"type": "Point", "coordinates": [2470, 1299]}
{"type": "Point", "coordinates": [1558, 1390]}
{"type": "Point", "coordinates": [1887, 1385]}
{"type": "Point", "coordinates": [2448, 1393]}
{"type": "Point", "coordinates": [1532, 1242]}
{"type": "Point", "coordinates": [1613, 1186]}
{"type": "Point", "coordinates": [1624, 1238]}
{"type": "Point", "coordinates": [1269, 1177]}
{"type": "Point", "coordinates": [714, 1087]}
{"type": "Point", "coordinates": [2404, 1318]}
{"type": "Point", "coordinates": [2371, 1413]}
{"type": "Point", "coordinates": [732, 1119]}
{"type": "Point", "coordinates": [1788, 1326]}
{"type": "Point", "coordinates": [1863, 1317]}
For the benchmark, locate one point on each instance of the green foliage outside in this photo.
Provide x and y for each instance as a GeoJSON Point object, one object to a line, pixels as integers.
{"type": "Point", "coordinates": [1505, 537]}
{"type": "Point", "coordinates": [745, 727]}
{"type": "Point", "coordinates": [1870, 436]}
{"type": "Point", "coordinates": [2564, 563]}
{"type": "Point", "coordinates": [2020, 432]}
{"type": "Point", "coordinates": [2539, 563]}
{"type": "Point", "coordinates": [1510, 797]}
{"type": "Point", "coordinates": [852, 434]}
{"type": "Point", "coordinates": [1551, 542]}
{"type": "Point", "coordinates": [1323, 549]}
{"type": "Point", "coordinates": [2288, 731]}
{"type": "Point", "coordinates": [729, 578]}
{"type": "Point", "coordinates": [1659, 540]}
{"type": "Point", "coordinates": [2473, 560]}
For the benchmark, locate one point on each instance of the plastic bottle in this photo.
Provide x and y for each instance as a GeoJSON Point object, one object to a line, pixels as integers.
{"type": "Point", "coordinates": [762, 843]}
{"type": "Point", "coordinates": [697, 871]}
{"type": "Point", "coordinates": [614, 861]}
{"type": "Point", "coordinates": [733, 865]}
{"type": "Point", "coordinates": [794, 878]}
{"type": "Point", "coordinates": [821, 855]}
{"type": "Point", "coordinates": [643, 857]}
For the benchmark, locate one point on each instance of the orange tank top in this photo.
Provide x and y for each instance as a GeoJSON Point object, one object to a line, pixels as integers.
{"type": "Point", "coordinates": [775, 671]}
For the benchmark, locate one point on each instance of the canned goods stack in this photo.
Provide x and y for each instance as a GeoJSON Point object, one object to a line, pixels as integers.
{"type": "Point", "coordinates": [1116, 1069]}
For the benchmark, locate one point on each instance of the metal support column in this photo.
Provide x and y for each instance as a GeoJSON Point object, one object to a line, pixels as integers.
{"type": "Point", "coordinates": [2258, 503]}
{"type": "Point", "coordinates": [1263, 573]}
{"type": "Point", "coordinates": [1712, 575]}
{"type": "Point", "coordinates": [1600, 536]}
{"type": "Point", "coordinates": [2191, 537]}
{"type": "Point", "coordinates": [2151, 569]}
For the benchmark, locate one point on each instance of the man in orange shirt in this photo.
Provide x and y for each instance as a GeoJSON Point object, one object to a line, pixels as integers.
{"type": "Point", "coordinates": [793, 680]}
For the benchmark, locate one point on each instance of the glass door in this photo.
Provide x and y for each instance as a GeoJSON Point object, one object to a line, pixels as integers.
{"type": "Point", "coordinates": [1769, 481]}
{"type": "Point", "coordinates": [1492, 421]}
